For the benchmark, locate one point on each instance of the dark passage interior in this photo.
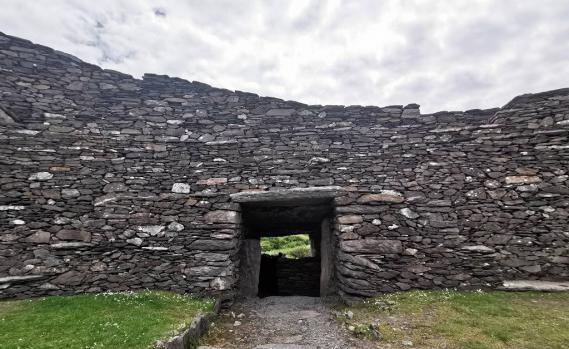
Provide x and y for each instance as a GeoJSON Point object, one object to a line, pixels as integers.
{"type": "Point", "coordinates": [286, 274]}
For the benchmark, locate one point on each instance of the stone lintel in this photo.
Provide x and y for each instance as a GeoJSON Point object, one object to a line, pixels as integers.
{"type": "Point", "coordinates": [280, 195]}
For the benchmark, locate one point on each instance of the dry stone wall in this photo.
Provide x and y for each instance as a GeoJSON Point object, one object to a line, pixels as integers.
{"type": "Point", "coordinates": [298, 276]}
{"type": "Point", "coordinates": [112, 183]}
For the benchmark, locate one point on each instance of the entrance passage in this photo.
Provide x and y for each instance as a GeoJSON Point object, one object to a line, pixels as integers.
{"type": "Point", "coordinates": [273, 260]}
{"type": "Point", "coordinates": [290, 265]}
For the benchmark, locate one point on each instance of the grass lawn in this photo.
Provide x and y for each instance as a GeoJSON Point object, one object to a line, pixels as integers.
{"type": "Point", "coordinates": [465, 320]}
{"type": "Point", "coordinates": [108, 320]}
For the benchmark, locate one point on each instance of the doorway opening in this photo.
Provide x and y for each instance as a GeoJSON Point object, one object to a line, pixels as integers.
{"type": "Point", "coordinates": [286, 248]}
{"type": "Point", "coordinates": [290, 265]}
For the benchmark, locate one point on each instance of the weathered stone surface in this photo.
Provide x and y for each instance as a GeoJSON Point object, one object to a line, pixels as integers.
{"type": "Point", "coordinates": [522, 179]}
{"type": "Point", "coordinates": [71, 234]}
{"type": "Point", "coordinates": [11, 207]}
{"type": "Point", "coordinates": [532, 269]}
{"type": "Point", "coordinates": [114, 187]}
{"type": "Point", "coordinates": [213, 181]}
{"type": "Point", "coordinates": [385, 196]}
{"type": "Point", "coordinates": [41, 176]}
{"type": "Point", "coordinates": [280, 112]}
{"type": "Point", "coordinates": [535, 285]}
{"type": "Point", "coordinates": [135, 241]}
{"type": "Point", "coordinates": [408, 213]}
{"type": "Point", "coordinates": [20, 279]}
{"type": "Point", "coordinates": [526, 171]}
{"type": "Point", "coordinates": [309, 193]}
{"type": "Point", "coordinates": [105, 199]}
{"type": "Point", "coordinates": [69, 278]}
{"type": "Point", "coordinates": [39, 237]}
{"type": "Point", "coordinates": [69, 245]}
{"type": "Point", "coordinates": [476, 194]}
{"type": "Point", "coordinates": [478, 248]}
{"type": "Point", "coordinates": [175, 226]}
{"type": "Point", "coordinates": [75, 86]}
{"type": "Point", "coordinates": [221, 216]}
{"type": "Point", "coordinates": [285, 346]}
{"type": "Point", "coordinates": [69, 193]}
{"type": "Point", "coordinates": [350, 219]}
{"type": "Point", "coordinates": [127, 182]}
{"type": "Point", "coordinates": [182, 188]}
{"type": "Point", "coordinates": [375, 246]}
{"type": "Point", "coordinates": [5, 118]}
{"type": "Point", "coordinates": [367, 229]}
{"type": "Point", "coordinates": [213, 245]}
{"type": "Point", "coordinates": [410, 251]}
{"type": "Point", "coordinates": [153, 230]}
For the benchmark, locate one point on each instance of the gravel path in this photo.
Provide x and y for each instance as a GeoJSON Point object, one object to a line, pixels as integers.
{"type": "Point", "coordinates": [280, 323]}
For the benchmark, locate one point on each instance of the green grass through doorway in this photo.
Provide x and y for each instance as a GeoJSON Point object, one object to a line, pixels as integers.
{"type": "Point", "coordinates": [292, 246]}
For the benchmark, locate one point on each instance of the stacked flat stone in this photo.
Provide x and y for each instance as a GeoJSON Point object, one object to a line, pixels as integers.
{"type": "Point", "coordinates": [111, 183]}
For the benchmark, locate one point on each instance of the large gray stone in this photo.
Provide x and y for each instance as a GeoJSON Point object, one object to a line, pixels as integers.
{"type": "Point", "coordinates": [153, 230]}
{"type": "Point", "coordinates": [75, 86]}
{"type": "Point", "coordinates": [20, 279]}
{"type": "Point", "coordinates": [536, 285]}
{"type": "Point", "coordinates": [408, 213]}
{"type": "Point", "coordinates": [280, 112]}
{"type": "Point", "coordinates": [69, 278]}
{"type": "Point", "coordinates": [69, 245]}
{"type": "Point", "coordinates": [522, 179]}
{"type": "Point", "coordinates": [478, 248]}
{"type": "Point", "coordinates": [70, 193]}
{"type": "Point", "coordinates": [39, 237]}
{"type": "Point", "coordinates": [376, 246]}
{"type": "Point", "coordinates": [350, 219]}
{"type": "Point", "coordinates": [389, 196]}
{"type": "Point", "coordinates": [115, 187]}
{"type": "Point", "coordinates": [135, 241]}
{"type": "Point", "coordinates": [213, 245]}
{"type": "Point", "coordinates": [5, 118]}
{"type": "Point", "coordinates": [181, 188]}
{"type": "Point", "coordinates": [222, 216]}
{"type": "Point", "coordinates": [280, 195]}
{"type": "Point", "coordinates": [41, 176]}
{"type": "Point", "coordinates": [213, 181]}
{"type": "Point", "coordinates": [73, 234]}
{"type": "Point", "coordinates": [11, 207]}
{"type": "Point", "coordinates": [175, 226]}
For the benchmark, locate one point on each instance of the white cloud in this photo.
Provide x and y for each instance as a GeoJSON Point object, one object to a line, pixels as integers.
{"type": "Point", "coordinates": [441, 54]}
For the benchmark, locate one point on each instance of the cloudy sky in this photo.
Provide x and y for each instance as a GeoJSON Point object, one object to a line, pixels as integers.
{"type": "Point", "coordinates": [444, 55]}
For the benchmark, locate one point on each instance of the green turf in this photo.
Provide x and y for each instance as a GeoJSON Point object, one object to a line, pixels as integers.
{"type": "Point", "coordinates": [109, 320]}
{"type": "Point", "coordinates": [292, 246]}
{"type": "Point", "coordinates": [466, 320]}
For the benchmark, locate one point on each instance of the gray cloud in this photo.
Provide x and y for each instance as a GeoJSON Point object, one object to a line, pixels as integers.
{"type": "Point", "coordinates": [443, 55]}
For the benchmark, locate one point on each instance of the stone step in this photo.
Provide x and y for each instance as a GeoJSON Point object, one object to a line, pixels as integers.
{"type": "Point", "coordinates": [284, 346]}
{"type": "Point", "coordinates": [272, 346]}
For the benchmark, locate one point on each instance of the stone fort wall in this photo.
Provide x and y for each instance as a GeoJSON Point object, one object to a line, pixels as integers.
{"type": "Point", "coordinates": [112, 183]}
